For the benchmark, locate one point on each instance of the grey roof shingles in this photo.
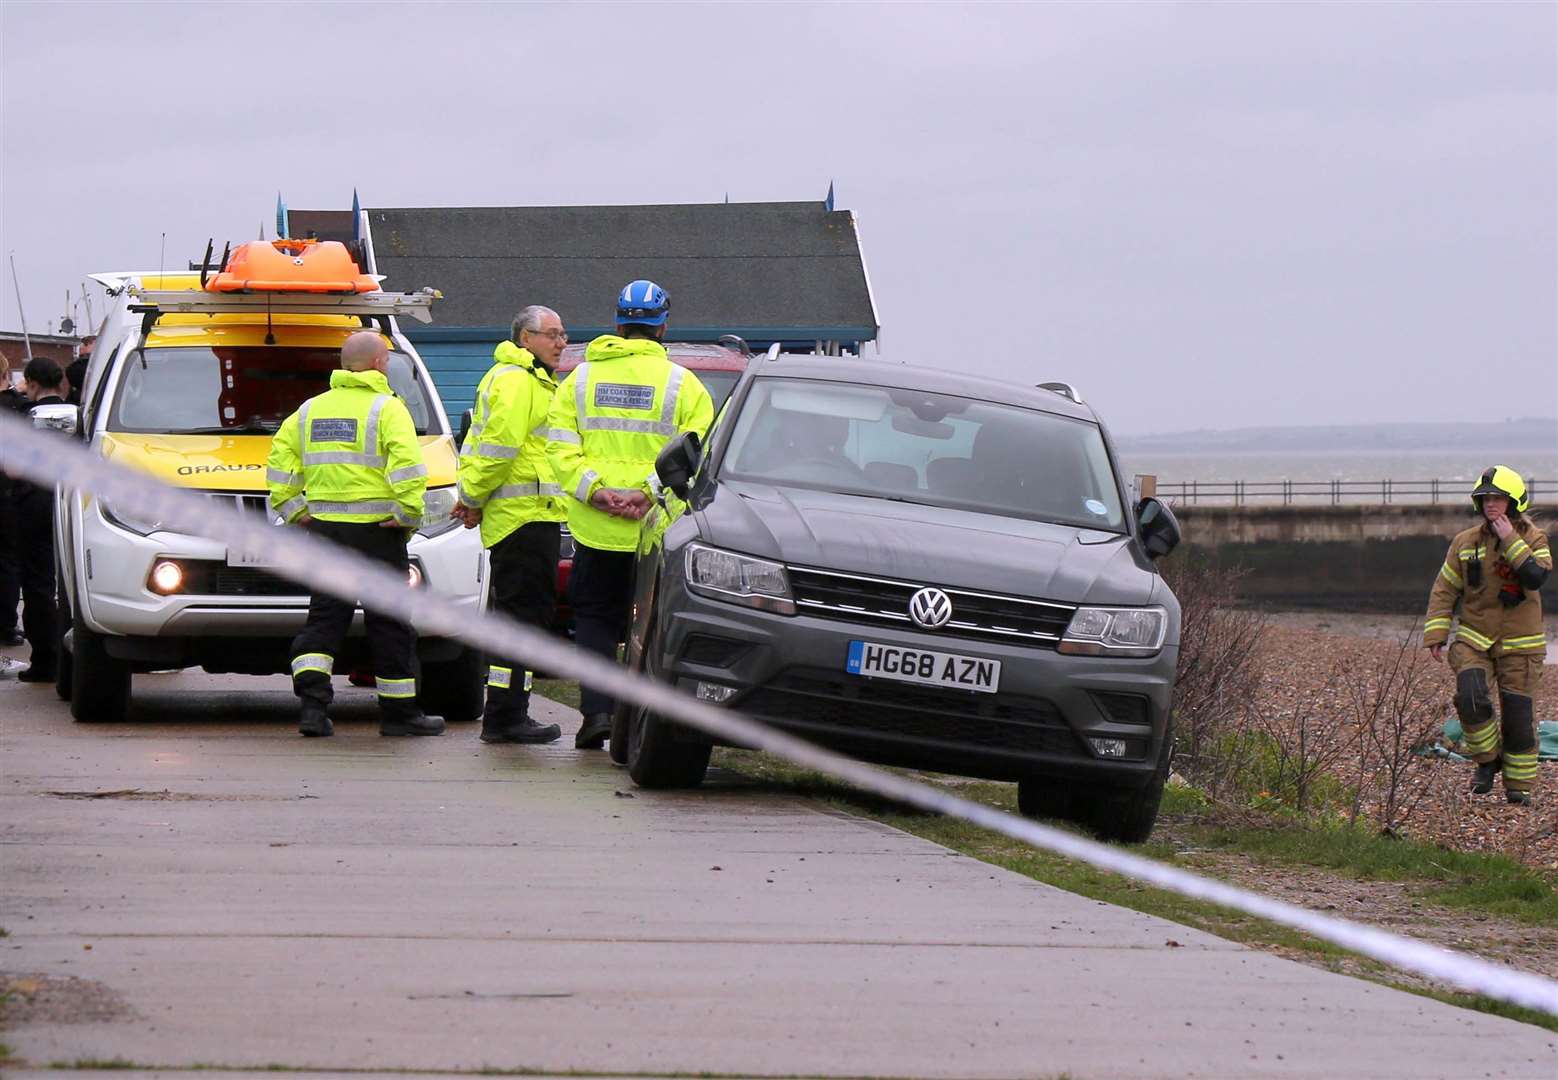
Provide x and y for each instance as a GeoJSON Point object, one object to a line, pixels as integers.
{"type": "Point", "coordinates": [737, 265]}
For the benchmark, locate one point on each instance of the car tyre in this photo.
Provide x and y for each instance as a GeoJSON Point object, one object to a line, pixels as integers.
{"type": "Point", "coordinates": [1128, 816]}
{"type": "Point", "coordinates": [99, 683]}
{"type": "Point", "coordinates": [656, 758]}
{"type": "Point", "coordinates": [64, 662]}
{"type": "Point", "coordinates": [621, 722]}
{"type": "Point", "coordinates": [1042, 797]}
{"type": "Point", "coordinates": [455, 689]}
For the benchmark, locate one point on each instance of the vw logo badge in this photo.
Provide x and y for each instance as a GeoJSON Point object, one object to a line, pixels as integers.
{"type": "Point", "coordinates": [930, 608]}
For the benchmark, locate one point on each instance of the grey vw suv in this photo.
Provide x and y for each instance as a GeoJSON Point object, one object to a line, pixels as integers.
{"type": "Point", "coordinates": [919, 568]}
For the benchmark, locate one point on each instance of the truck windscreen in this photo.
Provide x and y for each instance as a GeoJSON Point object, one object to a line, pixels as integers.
{"type": "Point", "coordinates": [237, 390]}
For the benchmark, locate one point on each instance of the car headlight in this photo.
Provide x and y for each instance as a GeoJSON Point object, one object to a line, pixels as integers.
{"type": "Point", "coordinates": [437, 505]}
{"type": "Point", "coordinates": [1098, 631]}
{"type": "Point", "coordinates": [739, 579]}
{"type": "Point", "coordinates": [128, 519]}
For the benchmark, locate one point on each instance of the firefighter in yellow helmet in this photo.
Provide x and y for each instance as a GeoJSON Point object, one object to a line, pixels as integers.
{"type": "Point", "coordinates": [348, 465]}
{"type": "Point", "coordinates": [1493, 571]}
{"type": "Point", "coordinates": [610, 419]}
{"type": "Point", "coordinates": [506, 487]}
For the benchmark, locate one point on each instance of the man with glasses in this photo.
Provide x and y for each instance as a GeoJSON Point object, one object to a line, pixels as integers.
{"type": "Point", "coordinates": [507, 488]}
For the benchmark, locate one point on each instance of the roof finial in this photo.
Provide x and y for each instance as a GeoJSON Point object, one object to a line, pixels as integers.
{"type": "Point", "coordinates": [829, 203]}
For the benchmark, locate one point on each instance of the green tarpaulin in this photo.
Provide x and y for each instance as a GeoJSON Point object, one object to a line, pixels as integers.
{"type": "Point", "coordinates": [1546, 735]}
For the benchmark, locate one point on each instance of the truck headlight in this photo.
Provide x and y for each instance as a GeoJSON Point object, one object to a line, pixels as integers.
{"type": "Point", "coordinates": [140, 524]}
{"type": "Point", "coordinates": [1099, 631]}
{"type": "Point", "coordinates": [437, 505]}
{"type": "Point", "coordinates": [739, 579]}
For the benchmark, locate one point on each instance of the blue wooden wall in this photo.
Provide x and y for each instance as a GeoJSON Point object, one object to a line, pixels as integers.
{"type": "Point", "coordinates": [456, 367]}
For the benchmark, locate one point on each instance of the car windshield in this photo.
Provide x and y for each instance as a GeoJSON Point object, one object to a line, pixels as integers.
{"type": "Point", "coordinates": [935, 449]}
{"type": "Point", "coordinates": [238, 390]}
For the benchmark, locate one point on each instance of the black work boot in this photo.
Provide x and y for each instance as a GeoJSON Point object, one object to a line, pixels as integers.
{"type": "Point", "coordinates": [1482, 783]}
{"type": "Point", "coordinates": [315, 721]}
{"type": "Point", "coordinates": [411, 724]}
{"type": "Point", "coordinates": [594, 732]}
{"type": "Point", "coordinates": [1519, 798]}
{"type": "Point", "coordinates": [518, 730]}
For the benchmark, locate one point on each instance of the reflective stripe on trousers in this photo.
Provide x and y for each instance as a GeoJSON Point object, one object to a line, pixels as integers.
{"type": "Point", "coordinates": [396, 688]}
{"type": "Point", "coordinates": [321, 662]}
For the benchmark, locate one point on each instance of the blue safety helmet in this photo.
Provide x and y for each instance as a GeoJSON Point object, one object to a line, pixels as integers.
{"type": "Point", "coordinates": [643, 303]}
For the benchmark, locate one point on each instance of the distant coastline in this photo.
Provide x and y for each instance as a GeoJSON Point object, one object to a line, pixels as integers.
{"type": "Point", "coordinates": [1526, 433]}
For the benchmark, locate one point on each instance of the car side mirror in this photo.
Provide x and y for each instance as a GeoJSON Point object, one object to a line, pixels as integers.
{"type": "Point", "coordinates": [1159, 528]}
{"type": "Point", "coordinates": [61, 418]}
{"type": "Point", "coordinates": [465, 429]}
{"type": "Point", "coordinates": [678, 461]}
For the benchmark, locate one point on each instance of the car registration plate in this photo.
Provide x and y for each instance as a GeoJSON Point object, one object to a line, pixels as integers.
{"type": "Point", "coordinates": [924, 666]}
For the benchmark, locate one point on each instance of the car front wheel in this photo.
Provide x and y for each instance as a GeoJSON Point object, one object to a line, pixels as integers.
{"type": "Point", "coordinates": [656, 757]}
{"type": "Point", "coordinates": [99, 683]}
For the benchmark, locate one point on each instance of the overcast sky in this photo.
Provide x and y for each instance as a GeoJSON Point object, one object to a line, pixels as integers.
{"type": "Point", "coordinates": [1204, 215]}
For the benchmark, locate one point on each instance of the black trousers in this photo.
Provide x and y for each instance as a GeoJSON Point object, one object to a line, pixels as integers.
{"type": "Point", "coordinates": [601, 587]}
{"type": "Point", "coordinates": [392, 644]}
{"type": "Point", "coordinates": [524, 587]}
{"type": "Point", "coordinates": [10, 583]}
{"type": "Point", "coordinates": [33, 548]}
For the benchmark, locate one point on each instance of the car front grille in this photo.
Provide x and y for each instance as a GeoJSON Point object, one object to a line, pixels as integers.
{"type": "Point", "coordinates": [246, 502]}
{"type": "Point", "coordinates": [847, 706]}
{"type": "Point", "coordinates": [207, 578]}
{"type": "Point", "coordinates": [983, 616]}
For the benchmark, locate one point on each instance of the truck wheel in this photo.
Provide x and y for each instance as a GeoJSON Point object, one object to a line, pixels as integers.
{"type": "Point", "coordinates": [63, 661]}
{"type": "Point", "coordinates": [455, 689]}
{"type": "Point", "coordinates": [99, 683]}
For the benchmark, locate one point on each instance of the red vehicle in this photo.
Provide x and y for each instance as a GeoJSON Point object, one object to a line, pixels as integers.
{"type": "Point", "coordinates": [718, 368]}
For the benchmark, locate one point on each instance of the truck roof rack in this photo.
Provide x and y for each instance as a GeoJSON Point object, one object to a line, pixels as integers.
{"type": "Point", "coordinates": [1064, 389]}
{"type": "Point", "coordinates": [154, 303]}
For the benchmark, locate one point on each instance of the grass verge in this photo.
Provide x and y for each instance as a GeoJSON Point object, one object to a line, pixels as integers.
{"type": "Point", "coordinates": [1458, 880]}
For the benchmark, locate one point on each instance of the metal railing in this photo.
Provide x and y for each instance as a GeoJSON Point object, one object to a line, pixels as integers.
{"type": "Point", "coordinates": [1333, 492]}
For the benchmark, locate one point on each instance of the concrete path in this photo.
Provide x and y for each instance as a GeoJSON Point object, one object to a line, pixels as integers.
{"type": "Point", "coordinates": [251, 899]}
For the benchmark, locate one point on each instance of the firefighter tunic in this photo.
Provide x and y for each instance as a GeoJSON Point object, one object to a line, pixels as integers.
{"type": "Point", "coordinates": [1499, 639]}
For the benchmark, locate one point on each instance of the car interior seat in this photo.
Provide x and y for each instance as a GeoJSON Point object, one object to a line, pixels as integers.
{"type": "Point", "coordinates": [891, 476]}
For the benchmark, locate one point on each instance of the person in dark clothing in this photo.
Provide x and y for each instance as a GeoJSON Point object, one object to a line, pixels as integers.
{"type": "Point", "coordinates": [32, 509]}
{"type": "Point", "coordinates": [76, 370]}
{"type": "Point", "coordinates": [12, 400]}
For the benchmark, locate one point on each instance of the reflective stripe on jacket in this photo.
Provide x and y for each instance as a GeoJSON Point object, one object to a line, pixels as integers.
{"type": "Point", "coordinates": [1488, 624]}
{"type": "Point", "coordinates": [504, 470]}
{"type": "Point", "coordinates": [609, 421]}
{"type": "Point", "coordinates": [349, 454]}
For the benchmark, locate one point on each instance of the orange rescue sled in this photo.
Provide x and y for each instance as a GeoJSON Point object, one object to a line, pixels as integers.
{"type": "Point", "coordinates": [293, 266]}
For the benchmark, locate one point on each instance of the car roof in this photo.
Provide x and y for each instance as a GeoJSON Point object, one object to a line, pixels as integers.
{"type": "Point", "coordinates": [916, 377]}
{"type": "Point", "coordinates": [692, 355]}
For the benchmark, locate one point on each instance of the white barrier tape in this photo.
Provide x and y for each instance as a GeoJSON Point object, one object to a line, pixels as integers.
{"type": "Point", "coordinates": [48, 458]}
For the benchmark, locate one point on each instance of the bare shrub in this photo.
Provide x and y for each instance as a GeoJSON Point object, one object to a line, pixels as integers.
{"type": "Point", "coordinates": [1308, 744]}
{"type": "Point", "coordinates": [1395, 706]}
{"type": "Point", "coordinates": [1217, 677]}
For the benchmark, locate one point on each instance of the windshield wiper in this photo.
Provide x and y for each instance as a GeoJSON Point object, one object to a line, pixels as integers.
{"type": "Point", "coordinates": [244, 429]}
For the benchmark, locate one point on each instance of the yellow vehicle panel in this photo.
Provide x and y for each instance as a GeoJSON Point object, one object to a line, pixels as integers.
{"type": "Point", "coordinates": [235, 462]}
{"type": "Point", "coordinates": [233, 331]}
